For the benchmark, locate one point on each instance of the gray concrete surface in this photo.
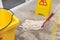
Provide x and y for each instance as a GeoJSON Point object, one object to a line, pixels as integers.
{"type": "Point", "coordinates": [27, 12]}
{"type": "Point", "coordinates": [43, 34]}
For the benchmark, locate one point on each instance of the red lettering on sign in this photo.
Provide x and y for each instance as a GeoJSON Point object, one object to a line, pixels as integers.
{"type": "Point", "coordinates": [0, 38]}
{"type": "Point", "coordinates": [43, 2]}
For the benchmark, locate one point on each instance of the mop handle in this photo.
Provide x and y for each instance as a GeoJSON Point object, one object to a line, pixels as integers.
{"type": "Point", "coordinates": [51, 15]}
{"type": "Point", "coordinates": [47, 19]}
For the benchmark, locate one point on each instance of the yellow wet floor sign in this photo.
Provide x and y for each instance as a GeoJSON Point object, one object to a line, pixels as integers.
{"type": "Point", "coordinates": [54, 30]}
{"type": "Point", "coordinates": [43, 7]}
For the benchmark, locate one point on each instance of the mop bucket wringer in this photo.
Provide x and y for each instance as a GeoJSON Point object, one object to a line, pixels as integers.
{"type": "Point", "coordinates": [8, 24]}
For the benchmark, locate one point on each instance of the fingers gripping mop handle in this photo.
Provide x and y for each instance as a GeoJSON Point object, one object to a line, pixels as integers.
{"type": "Point", "coordinates": [50, 16]}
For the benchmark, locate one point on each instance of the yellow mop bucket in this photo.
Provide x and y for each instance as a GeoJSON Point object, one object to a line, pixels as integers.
{"type": "Point", "coordinates": [8, 24]}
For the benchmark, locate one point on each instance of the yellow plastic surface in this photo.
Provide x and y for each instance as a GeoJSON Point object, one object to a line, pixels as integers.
{"type": "Point", "coordinates": [5, 17]}
{"type": "Point", "coordinates": [9, 32]}
{"type": "Point", "coordinates": [43, 7]}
